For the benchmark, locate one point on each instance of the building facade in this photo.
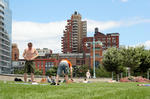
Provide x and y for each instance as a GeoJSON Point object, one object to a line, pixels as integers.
{"type": "Point", "coordinates": [5, 37]}
{"type": "Point", "coordinates": [15, 52]}
{"type": "Point", "coordinates": [44, 53]}
{"type": "Point", "coordinates": [74, 32]}
{"type": "Point", "coordinates": [18, 65]}
{"type": "Point", "coordinates": [77, 59]}
{"type": "Point", "coordinates": [109, 40]}
{"type": "Point", "coordinates": [98, 55]}
{"type": "Point", "coordinates": [45, 64]}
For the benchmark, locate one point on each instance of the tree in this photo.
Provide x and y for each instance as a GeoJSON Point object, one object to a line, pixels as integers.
{"type": "Point", "coordinates": [112, 61]}
{"type": "Point", "coordinates": [145, 61]}
{"type": "Point", "coordinates": [131, 58]}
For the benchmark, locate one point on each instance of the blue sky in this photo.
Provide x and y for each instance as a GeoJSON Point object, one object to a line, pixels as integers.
{"type": "Point", "coordinates": [130, 18]}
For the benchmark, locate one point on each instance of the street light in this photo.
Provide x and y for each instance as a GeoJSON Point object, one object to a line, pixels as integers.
{"type": "Point", "coordinates": [148, 73]}
{"type": "Point", "coordinates": [94, 42]}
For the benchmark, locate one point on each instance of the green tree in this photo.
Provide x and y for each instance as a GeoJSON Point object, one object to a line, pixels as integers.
{"type": "Point", "coordinates": [131, 58]}
{"type": "Point", "coordinates": [145, 62]}
{"type": "Point", "coordinates": [112, 61]}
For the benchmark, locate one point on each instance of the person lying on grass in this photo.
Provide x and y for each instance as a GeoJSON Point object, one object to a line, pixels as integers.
{"type": "Point", "coordinates": [86, 81]}
{"type": "Point", "coordinates": [143, 84]}
{"type": "Point", "coordinates": [64, 67]}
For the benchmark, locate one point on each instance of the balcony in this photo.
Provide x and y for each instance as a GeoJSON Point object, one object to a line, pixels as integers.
{"type": "Point", "coordinates": [1, 14]}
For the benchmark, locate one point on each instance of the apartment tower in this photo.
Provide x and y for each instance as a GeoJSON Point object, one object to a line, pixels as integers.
{"type": "Point", "coordinates": [5, 37]}
{"type": "Point", "coordinates": [74, 32]}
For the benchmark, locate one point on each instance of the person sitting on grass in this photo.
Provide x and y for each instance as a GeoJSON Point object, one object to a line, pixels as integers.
{"type": "Point", "coordinates": [64, 67]}
{"type": "Point", "coordinates": [88, 75]}
{"type": "Point", "coordinates": [51, 80]}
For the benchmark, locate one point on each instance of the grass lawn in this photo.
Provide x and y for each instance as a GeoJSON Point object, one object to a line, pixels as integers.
{"type": "Point", "coordinates": [10, 90]}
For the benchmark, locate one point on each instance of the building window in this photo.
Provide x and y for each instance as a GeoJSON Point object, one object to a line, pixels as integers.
{"type": "Point", "coordinates": [97, 63]}
{"type": "Point", "coordinates": [97, 48]}
{"type": "Point", "coordinates": [97, 55]}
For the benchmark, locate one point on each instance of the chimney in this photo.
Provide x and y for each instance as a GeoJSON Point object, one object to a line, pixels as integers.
{"type": "Point", "coordinates": [75, 13]}
{"type": "Point", "coordinates": [96, 30]}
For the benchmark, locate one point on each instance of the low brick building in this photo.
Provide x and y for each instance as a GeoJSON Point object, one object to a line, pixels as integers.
{"type": "Point", "coordinates": [15, 52]}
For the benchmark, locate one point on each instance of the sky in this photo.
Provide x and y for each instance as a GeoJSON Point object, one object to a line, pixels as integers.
{"type": "Point", "coordinates": [43, 21]}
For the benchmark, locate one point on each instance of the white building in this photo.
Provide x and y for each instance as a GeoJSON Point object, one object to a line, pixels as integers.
{"type": "Point", "coordinates": [5, 36]}
{"type": "Point", "coordinates": [44, 51]}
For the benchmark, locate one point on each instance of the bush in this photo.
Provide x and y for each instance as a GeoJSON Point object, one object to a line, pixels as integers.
{"type": "Point", "coordinates": [52, 71]}
{"type": "Point", "coordinates": [17, 71]}
{"type": "Point", "coordinates": [38, 72]}
{"type": "Point", "coordinates": [101, 72]}
{"type": "Point", "coordinates": [80, 71]}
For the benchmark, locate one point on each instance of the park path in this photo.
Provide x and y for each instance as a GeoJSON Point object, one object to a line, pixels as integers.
{"type": "Point", "coordinates": [10, 77]}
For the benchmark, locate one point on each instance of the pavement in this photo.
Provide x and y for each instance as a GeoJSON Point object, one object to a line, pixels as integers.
{"type": "Point", "coordinates": [11, 77]}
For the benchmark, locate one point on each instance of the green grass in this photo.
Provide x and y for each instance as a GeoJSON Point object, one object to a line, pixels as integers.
{"type": "Point", "coordinates": [10, 90]}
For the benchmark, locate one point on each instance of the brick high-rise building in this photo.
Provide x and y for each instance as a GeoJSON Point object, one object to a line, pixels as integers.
{"type": "Point", "coordinates": [74, 32]}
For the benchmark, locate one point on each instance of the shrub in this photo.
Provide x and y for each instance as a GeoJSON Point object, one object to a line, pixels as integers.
{"type": "Point", "coordinates": [52, 71]}
{"type": "Point", "coordinates": [101, 72]}
{"type": "Point", "coordinates": [38, 72]}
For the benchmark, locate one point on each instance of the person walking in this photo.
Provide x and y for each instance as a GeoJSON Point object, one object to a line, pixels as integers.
{"type": "Point", "coordinates": [64, 67]}
{"type": "Point", "coordinates": [29, 55]}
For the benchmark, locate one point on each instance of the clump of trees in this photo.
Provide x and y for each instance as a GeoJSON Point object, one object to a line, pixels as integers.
{"type": "Point", "coordinates": [135, 60]}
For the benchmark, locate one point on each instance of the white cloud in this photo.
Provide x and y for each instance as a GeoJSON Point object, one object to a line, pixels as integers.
{"type": "Point", "coordinates": [43, 35]}
{"type": "Point", "coordinates": [124, 0]}
{"type": "Point", "coordinates": [91, 24]}
{"type": "Point", "coordinates": [48, 35]}
{"type": "Point", "coordinates": [105, 25]}
{"type": "Point", "coordinates": [145, 44]}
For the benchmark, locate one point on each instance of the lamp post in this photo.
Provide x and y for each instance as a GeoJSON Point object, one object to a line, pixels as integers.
{"type": "Point", "coordinates": [93, 43]}
{"type": "Point", "coordinates": [94, 76]}
{"type": "Point", "coordinates": [148, 73]}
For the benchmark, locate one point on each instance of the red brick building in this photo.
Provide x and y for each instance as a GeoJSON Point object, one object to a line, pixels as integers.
{"type": "Point", "coordinates": [45, 64]}
{"type": "Point", "coordinates": [15, 52]}
{"type": "Point", "coordinates": [40, 64]}
{"type": "Point", "coordinates": [108, 40]}
{"type": "Point", "coordinates": [98, 55]}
